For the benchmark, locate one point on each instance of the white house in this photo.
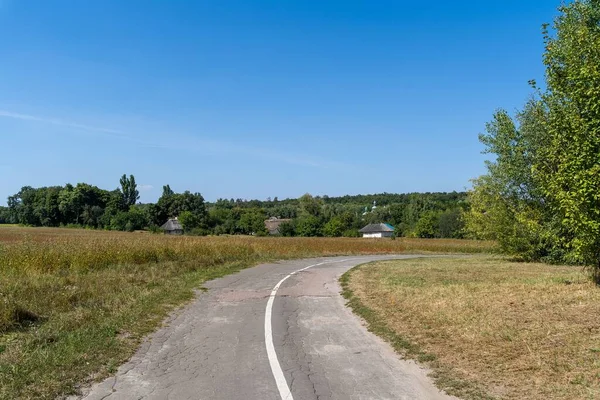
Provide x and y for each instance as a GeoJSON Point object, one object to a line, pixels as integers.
{"type": "Point", "coordinates": [377, 231]}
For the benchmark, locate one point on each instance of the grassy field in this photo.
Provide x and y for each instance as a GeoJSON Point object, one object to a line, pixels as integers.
{"type": "Point", "coordinates": [74, 304]}
{"type": "Point", "coordinates": [488, 327]}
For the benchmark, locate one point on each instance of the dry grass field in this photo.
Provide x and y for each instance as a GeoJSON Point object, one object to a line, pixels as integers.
{"type": "Point", "coordinates": [490, 328]}
{"type": "Point", "coordinates": [74, 304]}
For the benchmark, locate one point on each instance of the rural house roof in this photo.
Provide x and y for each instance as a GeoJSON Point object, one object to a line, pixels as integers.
{"type": "Point", "coordinates": [376, 228]}
{"type": "Point", "coordinates": [172, 225]}
{"type": "Point", "coordinates": [272, 224]}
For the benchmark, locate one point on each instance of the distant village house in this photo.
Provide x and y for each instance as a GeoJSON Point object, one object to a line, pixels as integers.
{"type": "Point", "coordinates": [172, 227]}
{"type": "Point", "coordinates": [272, 224]}
{"type": "Point", "coordinates": [377, 231]}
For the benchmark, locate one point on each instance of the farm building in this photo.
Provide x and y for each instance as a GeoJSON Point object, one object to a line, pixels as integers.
{"type": "Point", "coordinates": [172, 227]}
{"type": "Point", "coordinates": [272, 224]}
{"type": "Point", "coordinates": [377, 231]}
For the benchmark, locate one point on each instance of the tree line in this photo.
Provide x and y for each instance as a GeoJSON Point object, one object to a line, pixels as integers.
{"type": "Point", "coordinates": [415, 214]}
{"type": "Point", "coordinates": [540, 197]}
{"type": "Point", "coordinates": [83, 205]}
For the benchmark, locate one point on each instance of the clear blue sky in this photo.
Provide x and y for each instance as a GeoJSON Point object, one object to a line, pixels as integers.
{"type": "Point", "coordinates": [252, 99]}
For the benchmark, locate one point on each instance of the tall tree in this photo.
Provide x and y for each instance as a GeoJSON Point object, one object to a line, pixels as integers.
{"type": "Point", "coordinates": [167, 191]}
{"type": "Point", "coordinates": [310, 205]}
{"type": "Point", "coordinates": [171, 205]}
{"type": "Point", "coordinates": [570, 173]}
{"type": "Point", "coordinates": [507, 204]}
{"type": "Point", "coordinates": [129, 189]}
{"type": "Point", "coordinates": [540, 198]}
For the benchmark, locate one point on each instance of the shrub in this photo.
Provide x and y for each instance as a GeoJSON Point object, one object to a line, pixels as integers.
{"type": "Point", "coordinates": [287, 229]}
{"type": "Point", "coordinates": [333, 228]}
{"type": "Point", "coordinates": [308, 226]}
{"type": "Point", "coordinates": [350, 233]}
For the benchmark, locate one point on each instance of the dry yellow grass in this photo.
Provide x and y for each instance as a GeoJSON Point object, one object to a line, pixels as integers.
{"type": "Point", "coordinates": [513, 330]}
{"type": "Point", "coordinates": [51, 249]}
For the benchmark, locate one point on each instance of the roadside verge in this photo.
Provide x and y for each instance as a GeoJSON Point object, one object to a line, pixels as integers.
{"type": "Point", "coordinates": [486, 326]}
{"type": "Point", "coordinates": [443, 377]}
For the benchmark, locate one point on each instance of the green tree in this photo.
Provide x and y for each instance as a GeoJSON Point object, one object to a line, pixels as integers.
{"type": "Point", "coordinates": [287, 229]}
{"type": "Point", "coordinates": [6, 216]}
{"type": "Point", "coordinates": [91, 215]}
{"type": "Point", "coordinates": [427, 225]}
{"type": "Point", "coordinates": [569, 169]}
{"type": "Point", "coordinates": [129, 189]}
{"type": "Point", "coordinates": [131, 220]}
{"type": "Point", "coordinates": [252, 222]}
{"type": "Point", "coordinates": [120, 222]}
{"type": "Point", "coordinates": [310, 205]}
{"type": "Point", "coordinates": [308, 226]}
{"type": "Point", "coordinates": [450, 224]}
{"type": "Point", "coordinates": [507, 204]}
{"type": "Point", "coordinates": [190, 221]}
{"type": "Point", "coordinates": [540, 196]}
{"type": "Point", "coordinates": [70, 204]}
{"type": "Point", "coordinates": [334, 227]}
{"type": "Point", "coordinates": [171, 205]}
{"type": "Point", "coordinates": [167, 191]}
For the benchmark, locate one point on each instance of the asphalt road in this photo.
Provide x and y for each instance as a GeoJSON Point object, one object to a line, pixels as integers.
{"type": "Point", "coordinates": [248, 339]}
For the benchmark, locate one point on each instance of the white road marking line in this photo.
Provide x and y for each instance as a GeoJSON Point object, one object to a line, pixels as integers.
{"type": "Point", "coordinates": [284, 389]}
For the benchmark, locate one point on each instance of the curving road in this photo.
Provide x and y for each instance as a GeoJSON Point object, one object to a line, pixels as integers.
{"type": "Point", "coordinates": [275, 331]}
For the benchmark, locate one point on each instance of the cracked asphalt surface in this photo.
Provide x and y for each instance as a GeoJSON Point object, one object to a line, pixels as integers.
{"type": "Point", "coordinates": [214, 348]}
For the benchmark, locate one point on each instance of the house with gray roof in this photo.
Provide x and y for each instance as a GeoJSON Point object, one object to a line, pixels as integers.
{"type": "Point", "coordinates": [377, 231]}
{"type": "Point", "coordinates": [172, 227]}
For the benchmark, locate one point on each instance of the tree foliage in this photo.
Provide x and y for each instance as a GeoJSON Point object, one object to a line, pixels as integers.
{"type": "Point", "coordinates": [83, 205]}
{"type": "Point", "coordinates": [541, 195]}
{"type": "Point", "coordinates": [252, 222]}
{"type": "Point", "coordinates": [334, 227]}
{"type": "Point", "coordinates": [6, 216]}
{"type": "Point", "coordinates": [507, 204]}
{"type": "Point", "coordinates": [308, 226]}
{"type": "Point", "coordinates": [171, 205]}
{"type": "Point", "coordinates": [89, 206]}
{"type": "Point", "coordinates": [129, 190]}
{"type": "Point", "coordinates": [570, 177]}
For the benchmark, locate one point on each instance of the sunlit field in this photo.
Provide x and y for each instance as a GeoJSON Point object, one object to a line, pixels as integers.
{"type": "Point", "coordinates": [46, 250]}
{"type": "Point", "coordinates": [490, 328]}
{"type": "Point", "coordinates": [74, 304]}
